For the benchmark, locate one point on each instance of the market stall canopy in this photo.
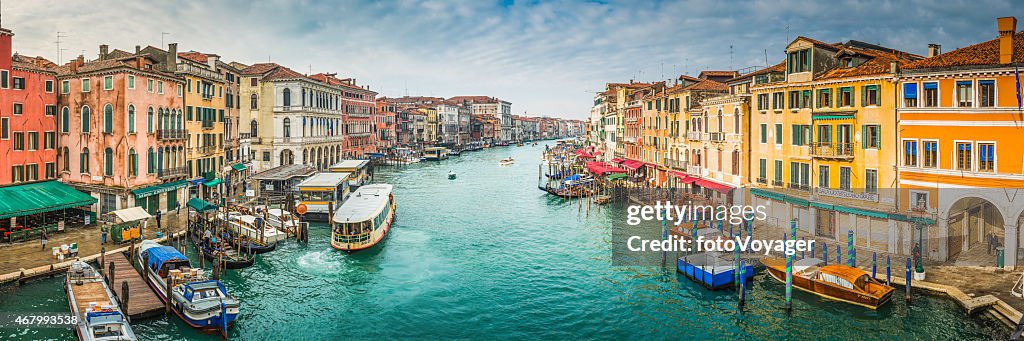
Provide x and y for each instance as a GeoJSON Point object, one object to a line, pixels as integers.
{"type": "Point", "coordinates": [131, 214]}
{"type": "Point", "coordinates": [584, 154]}
{"type": "Point", "coordinates": [616, 176]}
{"type": "Point", "coordinates": [714, 186]}
{"type": "Point", "coordinates": [683, 178]}
{"type": "Point", "coordinates": [632, 164]}
{"type": "Point", "coordinates": [213, 182]}
{"type": "Point", "coordinates": [238, 167]}
{"type": "Point", "coordinates": [617, 160]}
{"type": "Point", "coordinates": [600, 168]}
{"type": "Point", "coordinates": [39, 197]}
{"type": "Point", "coordinates": [200, 205]}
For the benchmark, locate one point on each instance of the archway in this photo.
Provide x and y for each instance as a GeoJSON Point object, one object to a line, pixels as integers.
{"type": "Point", "coordinates": [974, 226]}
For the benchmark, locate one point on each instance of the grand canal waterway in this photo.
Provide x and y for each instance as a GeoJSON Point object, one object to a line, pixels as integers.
{"type": "Point", "coordinates": [490, 256]}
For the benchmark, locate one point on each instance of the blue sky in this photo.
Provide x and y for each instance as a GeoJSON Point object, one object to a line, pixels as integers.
{"type": "Point", "coordinates": [547, 58]}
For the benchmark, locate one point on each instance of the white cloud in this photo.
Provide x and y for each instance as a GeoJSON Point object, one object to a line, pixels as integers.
{"type": "Point", "coordinates": [543, 57]}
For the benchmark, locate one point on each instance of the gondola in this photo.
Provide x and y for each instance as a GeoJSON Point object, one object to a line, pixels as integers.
{"type": "Point", "coordinates": [232, 259]}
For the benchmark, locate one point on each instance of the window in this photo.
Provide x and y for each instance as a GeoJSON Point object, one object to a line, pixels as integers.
{"type": "Point", "coordinates": [764, 133]}
{"type": "Point", "coordinates": [286, 97]}
{"type": "Point", "coordinates": [794, 99]}
{"type": "Point", "coordinates": [131, 81]}
{"type": "Point", "coordinates": [133, 163]}
{"type": "Point", "coordinates": [931, 94]}
{"type": "Point", "coordinates": [149, 120]}
{"type": "Point", "coordinates": [825, 134]}
{"type": "Point", "coordinates": [778, 133]}
{"type": "Point", "coordinates": [844, 178]}
{"type": "Point", "coordinates": [762, 173]}
{"type": "Point", "coordinates": [799, 61]}
{"type": "Point", "coordinates": [931, 154]}
{"type": "Point", "coordinates": [51, 110]}
{"type": "Point", "coordinates": [32, 172]}
{"type": "Point", "coordinates": [919, 200]}
{"type": "Point", "coordinates": [964, 94]}
{"type": "Point", "coordinates": [778, 172]}
{"type": "Point", "coordinates": [65, 118]}
{"type": "Point", "coordinates": [18, 109]}
{"type": "Point", "coordinates": [824, 98]}
{"type": "Point", "coordinates": [287, 127]}
{"type": "Point", "coordinates": [180, 91]}
{"type": "Point", "coordinates": [66, 159]}
{"type": "Point", "coordinates": [266, 156]}
{"type": "Point", "coordinates": [823, 176]}
{"type": "Point", "coordinates": [48, 86]}
{"type": "Point", "coordinates": [910, 95]}
{"type": "Point", "coordinates": [253, 129]}
{"type": "Point", "coordinates": [19, 83]}
{"type": "Point", "coordinates": [870, 181]}
{"type": "Point", "coordinates": [778, 100]}
{"type": "Point", "coordinates": [801, 134]}
{"type": "Point", "coordinates": [4, 78]}
{"type": "Point", "coordinates": [131, 119]}
{"type": "Point", "coordinates": [805, 99]}
{"type": "Point", "coordinates": [986, 157]}
{"type": "Point", "coordinates": [872, 136]}
{"type": "Point", "coordinates": [870, 96]}
{"type": "Point", "coordinates": [51, 170]}
{"type": "Point", "coordinates": [252, 100]}
{"type": "Point", "coordinates": [83, 161]}
{"type": "Point", "coordinates": [19, 140]}
{"type": "Point", "coordinates": [252, 81]}
{"type": "Point", "coordinates": [65, 87]}
{"type": "Point", "coordinates": [85, 119]}
{"type": "Point", "coordinates": [150, 161]}
{"type": "Point", "coordinates": [33, 140]}
{"type": "Point", "coordinates": [799, 175]}
{"type": "Point", "coordinates": [85, 85]}
{"type": "Point", "coordinates": [49, 140]}
{"type": "Point", "coordinates": [108, 83]}
{"type": "Point", "coordinates": [149, 85]}
{"type": "Point", "coordinates": [910, 153]}
{"type": "Point", "coordinates": [846, 96]}
{"type": "Point", "coordinates": [963, 156]}
{"type": "Point", "coordinates": [17, 173]}
{"type": "Point", "coordinates": [160, 87]}
{"type": "Point", "coordinates": [762, 102]}
{"type": "Point", "coordinates": [108, 118]}
{"type": "Point", "coordinates": [986, 93]}
{"type": "Point", "coordinates": [108, 162]}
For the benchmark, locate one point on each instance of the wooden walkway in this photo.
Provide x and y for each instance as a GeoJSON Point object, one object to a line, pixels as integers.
{"type": "Point", "coordinates": [142, 301]}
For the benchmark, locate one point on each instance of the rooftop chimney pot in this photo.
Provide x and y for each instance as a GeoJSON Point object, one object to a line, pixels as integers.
{"type": "Point", "coordinates": [934, 50]}
{"type": "Point", "coordinates": [1007, 27]}
{"type": "Point", "coordinates": [104, 49]}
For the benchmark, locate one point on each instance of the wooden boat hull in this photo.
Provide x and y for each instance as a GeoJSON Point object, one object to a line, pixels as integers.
{"type": "Point", "coordinates": [229, 262]}
{"type": "Point", "coordinates": [827, 290]}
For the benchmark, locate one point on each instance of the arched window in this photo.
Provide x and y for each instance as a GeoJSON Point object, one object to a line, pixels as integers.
{"type": "Point", "coordinates": [65, 120]}
{"type": "Point", "coordinates": [177, 119]}
{"type": "Point", "coordinates": [85, 118]}
{"type": "Point", "coordinates": [287, 127]}
{"type": "Point", "coordinates": [108, 162]}
{"type": "Point", "coordinates": [253, 103]}
{"type": "Point", "coordinates": [133, 163]}
{"type": "Point", "coordinates": [149, 120]}
{"type": "Point", "coordinates": [150, 161]}
{"type": "Point", "coordinates": [83, 161]}
{"type": "Point", "coordinates": [108, 118]}
{"type": "Point", "coordinates": [160, 119]}
{"type": "Point", "coordinates": [131, 118]}
{"type": "Point", "coordinates": [253, 128]}
{"type": "Point", "coordinates": [287, 97]}
{"type": "Point", "coordinates": [66, 159]}
{"type": "Point", "coordinates": [721, 122]}
{"type": "Point", "coordinates": [303, 97]}
{"type": "Point", "coordinates": [736, 121]}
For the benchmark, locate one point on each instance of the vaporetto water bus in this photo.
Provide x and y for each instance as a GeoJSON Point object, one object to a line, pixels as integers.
{"type": "Point", "coordinates": [357, 168]}
{"type": "Point", "coordinates": [320, 191]}
{"type": "Point", "coordinates": [364, 219]}
{"type": "Point", "coordinates": [95, 306]}
{"type": "Point", "coordinates": [202, 303]}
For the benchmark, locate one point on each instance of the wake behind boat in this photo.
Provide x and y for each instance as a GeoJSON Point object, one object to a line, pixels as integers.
{"type": "Point", "coordinates": [364, 219]}
{"type": "Point", "coordinates": [92, 302]}
{"type": "Point", "coordinates": [200, 302]}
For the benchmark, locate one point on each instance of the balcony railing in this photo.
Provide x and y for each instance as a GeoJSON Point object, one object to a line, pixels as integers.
{"type": "Point", "coordinates": [171, 172]}
{"type": "Point", "coordinates": [778, 183]}
{"type": "Point", "coordinates": [716, 137]}
{"type": "Point", "coordinates": [762, 180]}
{"type": "Point", "coordinates": [206, 149]}
{"type": "Point", "coordinates": [208, 124]}
{"type": "Point", "coordinates": [170, 134]}
{"type": "Point", "coordinates": [677, 164]}
{"type": "Point", "coordinates": [832, 150]}
{"type": "Point", "coordinates": [800, 187]}
{"type": "Point", "coordinates": [695, 136]}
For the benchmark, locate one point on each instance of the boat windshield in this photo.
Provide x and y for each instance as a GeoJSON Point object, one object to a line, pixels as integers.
{"type": "Point", "coordinates": [107, 330]}
{"type": "Point", "coordinates": [202, 294]}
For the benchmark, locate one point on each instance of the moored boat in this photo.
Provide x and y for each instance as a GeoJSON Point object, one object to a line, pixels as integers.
{"type": "Point", "coordinates": [451, 175]}
{"type": "Point", "coordinates": [94, 305]}
{"type": "Point", "coordinates": [246, 226]}
{"type": "Point", "coordinates": [507, 161]}
{"type": "Point", "coordinates": [200, 302]}
{"type": "Point", "coordinates": [836, 281]}
{"type": "Point", "coordinates": [225, 250]}
{"type": "Point", "coordinates": [364, 219]}
{"type": "Point", "coordinates": [435, 153]}
{"type": "Point", "coordinates": [712, 269]}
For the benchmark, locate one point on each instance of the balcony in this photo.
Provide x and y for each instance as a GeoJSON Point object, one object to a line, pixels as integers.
{"type": "Point", "coordinates": [206, 150]}
{"type": "Point", "coordinates": [716, 137]}
{"type": "Point", "coordinates": [778, 183]}
{"type": "Point", "coordinates": [677, 164]}
{"type": "Point", "coordinates": [208, 124]}
{"type": "Point", "coordinates": [695, 136]}
{"type": "Point", "coordinates": [832, 150]}
{"type": "Point", "coordinates": [165, 173]}
{"type": "Point", "coordinates": [170, 134]}
{"type": "Point", "coordinates": [762, 180]}
{"type": "Point", "coordinates": [799, 187]}
{"type": "Point", "coordinates": [696, 170]}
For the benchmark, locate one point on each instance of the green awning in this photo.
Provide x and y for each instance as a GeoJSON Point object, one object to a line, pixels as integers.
{"type": "Point", "coordinates": [816, 204]}
{"type": "Point", "coordinates": [200, 205]}
{"type": "Point", "coordinates": [22, 200]}
{"type": "Point", "coordinates": [819, 117]}
{"type": "Point", "coordinates": [616, 176]}
{"type": "Point", "coordinates": [916, 220]}
{"type": "Point", "coordinates": [213, 182]}
{"type": "Point", "coordinates": [161, 188]}
{"type": "Point", "coordinates": [796, 201]}
{"type": "Point", "coordinates": [238, 167]}
{"type": "Point", "coordinates": [863, 212]}
{"type": "Point", "coordinates": [767, 194]}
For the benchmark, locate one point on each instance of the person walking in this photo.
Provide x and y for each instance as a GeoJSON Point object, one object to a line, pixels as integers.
{"type": "Point", "coordinates": [158, 214]}
{"type": "Point", "coordinates": [103, 235]}
{"type": "Point", "coordinates": [42, 239]}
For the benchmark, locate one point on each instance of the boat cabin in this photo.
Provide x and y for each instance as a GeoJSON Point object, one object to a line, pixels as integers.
{"type": "Point", "coordinates": [280, 181]}
{"type": "Point", "coordinates": [435, 153]}
{"type": "Point", "coordinates": [360, 219]}
{"type": "Point", "coordinates": [322, 190]}
{"type": "Point", "coordinates": [107, 325]}
{"type": "Point", "coordinates": [358, 168]}
{"type": "Point", "coordinates": [165, 260]}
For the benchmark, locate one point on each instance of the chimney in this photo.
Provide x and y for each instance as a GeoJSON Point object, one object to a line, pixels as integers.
{"type": "Point", "coordinates": [138, 49]}
{"type": "Point", "coordinates": [212, 60]}
{"type": "Point", "coordinates": [1007, 27]}
{"type": "Point", "coordinates": [172, 57]}
{"type": "Point", "coordinates": [103, 51]}
{"type": "Point", "coordinates": [934, 50]}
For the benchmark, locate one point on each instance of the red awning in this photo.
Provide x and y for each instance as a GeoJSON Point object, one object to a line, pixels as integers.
{"type": "Point", "coordinates": [584, 154]}
{"type": "Point", "coordinates": [601, 168]}
{"type": "Point", "coordinates": [683, 178]}
{"type": "Point", "coordinates": [617, 160]}
{"type": "Point", "coordinates": [651, 165]}
{"type": "Point", "coordinates": [714, 186]}
{"type": "Point", "coordinates": [632, 164]}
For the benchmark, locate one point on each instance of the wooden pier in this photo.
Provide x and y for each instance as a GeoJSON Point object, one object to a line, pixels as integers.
{"type": "Point", "coordinates": [142, 301]}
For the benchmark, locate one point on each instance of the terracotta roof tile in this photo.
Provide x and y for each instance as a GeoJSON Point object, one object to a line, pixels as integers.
{"type": "Point", "coordinates": [194, 56]}
{"type": "Point", "coordinates": [260, 68]}
{"type": "Point", "coordinates": [708, 84]}
{"type": "Point", "coordinates": [878, 64]}
{"type": "Point", "coordinates": [984, 53]}
{"type": "Point", "coordinates": [282, 73]}
{"type": "Point", "coordinates": [37, 63]}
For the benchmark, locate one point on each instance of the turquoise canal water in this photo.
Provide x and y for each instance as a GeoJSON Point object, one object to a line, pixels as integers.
{"type": "Point", "coordinates": [490, 256]}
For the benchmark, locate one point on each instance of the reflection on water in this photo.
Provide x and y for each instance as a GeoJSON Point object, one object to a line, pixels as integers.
{"type": "Point", "coordinates": [488, 255]}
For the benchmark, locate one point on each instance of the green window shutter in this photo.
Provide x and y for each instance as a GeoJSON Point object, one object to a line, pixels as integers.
{"type": "Point", "coordinates": [863, 96]}
{"type": "Point", "coordinates": [878, 135]}
{"type": "Point", "coordinates": [864, 136]}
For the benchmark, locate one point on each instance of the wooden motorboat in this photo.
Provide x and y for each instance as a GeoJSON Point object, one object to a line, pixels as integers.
{"type": "Point", "coordinates": [835, 281]}
{"type": "Point", "coordinates": [94, 305]}
{"type": "Point", "coordinates": [506, 162]}
{"type": "Point", "coordinates": [451, 175]}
